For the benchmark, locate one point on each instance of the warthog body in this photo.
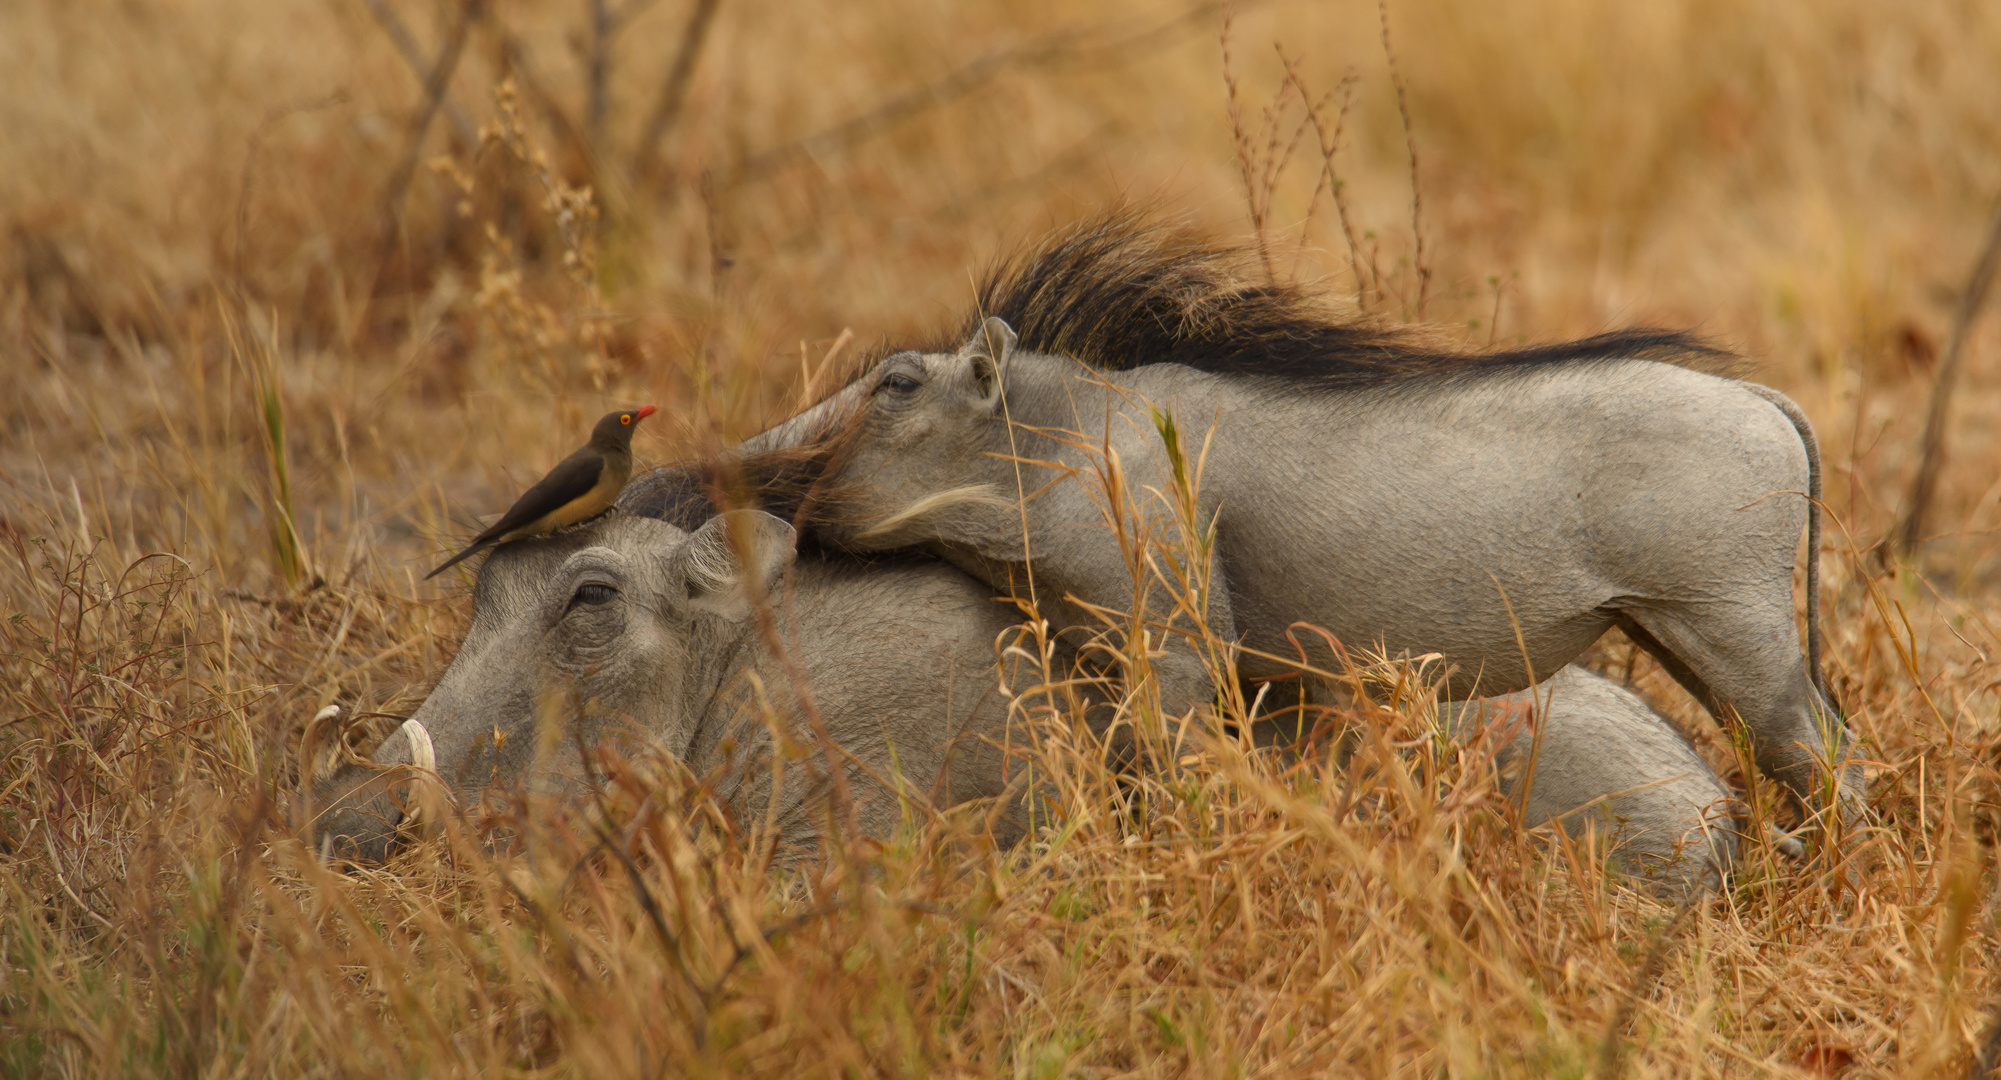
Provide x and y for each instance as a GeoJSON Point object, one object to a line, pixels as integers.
{"type": "Point", "coordinates": [647, 628]}
{"type": "Point", "coordinates": [1610, 762]}
{"type": "Point", "coordinates": [1424, 502]}
{"type": "Point", "coordinates": [899, 657]}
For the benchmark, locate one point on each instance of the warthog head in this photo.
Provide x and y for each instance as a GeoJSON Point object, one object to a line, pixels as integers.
{"type": "Point", "coordinates": [622, 626]}
{"type": "Point", "coordinates": [911, 434]}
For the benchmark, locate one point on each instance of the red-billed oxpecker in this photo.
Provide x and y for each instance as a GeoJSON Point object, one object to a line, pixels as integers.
{"type": "Point", "coordinates": [579, 488]}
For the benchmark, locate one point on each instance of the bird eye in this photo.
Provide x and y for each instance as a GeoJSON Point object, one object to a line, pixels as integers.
{"type": "Point", "coordinates": [899, 384]}
{"type": "Point", "coordinates": [626, 419]}
{"type": "Point", "coordinates": [593, 594]}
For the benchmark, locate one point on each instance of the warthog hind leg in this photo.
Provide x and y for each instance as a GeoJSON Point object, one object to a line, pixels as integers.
{"type": "Point", "coordinates": [1746, 658]}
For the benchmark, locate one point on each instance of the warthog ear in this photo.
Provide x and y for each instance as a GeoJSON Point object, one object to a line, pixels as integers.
{"type": "Point", "coordinates": [710, 564]}
{"type": "Point", "coordinates": [988, 353]}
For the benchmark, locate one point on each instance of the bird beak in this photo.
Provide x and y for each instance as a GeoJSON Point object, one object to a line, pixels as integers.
{"type": "Point", "coordinates": [644, 412]}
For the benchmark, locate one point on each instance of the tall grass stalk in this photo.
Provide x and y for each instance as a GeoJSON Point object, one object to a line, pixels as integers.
{"type": "Point", "coordinates": [258, 359]}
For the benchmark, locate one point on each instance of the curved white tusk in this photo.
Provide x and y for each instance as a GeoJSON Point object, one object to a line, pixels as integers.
{"type": "Point", "coordinates": [309, 746]}
{"type": "Point", "coordinates": [424, 760]}
{"type": "Point", "coordinates": [422, 754]}
{"type": "Point", "coordinates": [309, 749]}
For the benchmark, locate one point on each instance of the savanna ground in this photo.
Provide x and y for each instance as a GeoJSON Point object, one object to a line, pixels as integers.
{"type": "Point", "coordinates": [275, 332]}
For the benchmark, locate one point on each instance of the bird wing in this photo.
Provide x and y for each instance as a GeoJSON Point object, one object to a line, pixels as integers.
{"type": "Point", "coordinates": [571, 479]}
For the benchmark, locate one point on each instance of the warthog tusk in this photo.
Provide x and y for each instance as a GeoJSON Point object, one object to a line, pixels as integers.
{"type": "Point", "coordinates": [424, 760]}
{"type": "Point", "coordinates": [422, 754]}
{"type": "Point", "coordinates": [309, 744]}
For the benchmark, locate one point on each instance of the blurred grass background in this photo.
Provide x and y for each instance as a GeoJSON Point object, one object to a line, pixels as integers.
{"type": "Point", "coordinates": [265, 309]}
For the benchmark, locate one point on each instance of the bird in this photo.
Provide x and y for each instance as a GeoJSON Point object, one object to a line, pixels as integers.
{"type": "Point", "coordinates": [581, 486]}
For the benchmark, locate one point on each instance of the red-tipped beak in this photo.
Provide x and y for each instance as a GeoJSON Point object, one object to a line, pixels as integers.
{"type": "Point", "coordinates": [644, 412]}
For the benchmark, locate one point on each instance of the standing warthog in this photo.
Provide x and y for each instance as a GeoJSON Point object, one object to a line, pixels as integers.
{"type": "Point", "coordinates": [651, 630]}
{"type": "Point", "coordinates": [1502, 510]}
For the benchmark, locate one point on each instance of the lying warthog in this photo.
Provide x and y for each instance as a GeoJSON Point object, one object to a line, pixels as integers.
{"type": "Point", "coordinates": [1502, 510]}
{"type": "Point", "coordinates": [1610, 760]}
{"type": "Point", "coordinates": [648, 624]}
{"type": "Point", "coordinates": [651, 630]}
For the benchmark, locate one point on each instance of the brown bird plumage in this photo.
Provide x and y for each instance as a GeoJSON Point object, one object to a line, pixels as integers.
{"type": "Point", "coordinates": [581, 486]}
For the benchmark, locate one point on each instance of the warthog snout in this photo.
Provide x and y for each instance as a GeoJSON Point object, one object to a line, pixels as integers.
{"type": "Point", "coordinates": [362, 811]}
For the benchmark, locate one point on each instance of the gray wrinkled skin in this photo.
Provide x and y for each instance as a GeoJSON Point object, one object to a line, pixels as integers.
{"type": "Point", "coordinates": [1411, 515]}
{"type": "Point", "coordinates": [1610, 762]}
{"type": "Point", "coordinates": [900, 658]}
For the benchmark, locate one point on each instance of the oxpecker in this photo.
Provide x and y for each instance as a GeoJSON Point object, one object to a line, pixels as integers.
{"type": "Point", "coordinates": [580, 487]}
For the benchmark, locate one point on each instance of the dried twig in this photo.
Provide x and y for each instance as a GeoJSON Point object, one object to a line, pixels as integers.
{"type": "Point", "coordinates": [435, 83]}
{"type": "Point", "coordinates": [1057, 48]}
{"type": "Point", "coordinates": [1931, 457]}
{"type": "Point", "coordinates": [1261, 167]}
{"type": "Point", "coordinates": [597, 72]}
{"type": "Point", "coordinates": [1239, 140]}
{"type": "Point", "coordinates": [674, 91]}
{"type": "Point", "coordinates": [522, 68]}
{"type": "Point", "coordinates": [1330, 144]}
{"type": "Point", "coordinates": [1418, 260]}
{"type": "Point", "coordinates": [392, 24]}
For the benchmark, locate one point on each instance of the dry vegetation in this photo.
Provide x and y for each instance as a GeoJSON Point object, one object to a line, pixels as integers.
{"type": "Point", "coordinates": [266, 356]}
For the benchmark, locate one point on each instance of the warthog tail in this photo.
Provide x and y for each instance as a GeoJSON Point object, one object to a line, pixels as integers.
{"type": "Point", "coordinates": [1805, 428]}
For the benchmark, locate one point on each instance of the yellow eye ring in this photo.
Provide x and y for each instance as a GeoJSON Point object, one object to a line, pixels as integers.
{"type": "Point", "coordinates": [626, 419]}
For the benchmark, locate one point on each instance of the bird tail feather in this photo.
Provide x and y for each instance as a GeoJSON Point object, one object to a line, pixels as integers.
{"type": "Point", "coordinates": [456, 559]}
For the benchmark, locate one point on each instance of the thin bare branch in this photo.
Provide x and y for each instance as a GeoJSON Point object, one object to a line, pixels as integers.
{"type": "Point", "coordinates": [1330, 145]}
{"type": "Point", "coordinates": [605, 26]}
{"type": "Point", "coordinates": [527, 75]}
{"type": "Point", "coordinates": [398, 32]}
{"type": "Point", "coordinates": [435, 83]}
{"type": "Point", "coordinates": [1932, 457]}
{"type": "Point", "coordinates": [1418, 260]}
{"type": "Point", "coordinates": [1239, 140]}
{"type": "Point", "coordinates": [674, 91]}
{"type": "Point", "coordinates": [598, 70]}
{"type": "Point", "coordinates": [1052, 49]}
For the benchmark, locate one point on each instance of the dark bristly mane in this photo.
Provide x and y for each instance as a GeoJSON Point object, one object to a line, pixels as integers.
{"type": "Point", "coordinates": [1118, 293]}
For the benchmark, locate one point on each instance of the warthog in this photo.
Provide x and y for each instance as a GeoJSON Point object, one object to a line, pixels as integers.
{"type": "Point", "coordinates": [650, 630]}
{"type": "Point", "coordinates": [1503, 510]}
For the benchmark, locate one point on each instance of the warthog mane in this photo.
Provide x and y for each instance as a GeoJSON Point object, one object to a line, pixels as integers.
{"type": "Point", "coordinates": [1120, 291]}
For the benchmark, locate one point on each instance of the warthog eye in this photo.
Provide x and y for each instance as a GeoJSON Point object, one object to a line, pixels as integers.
{"type": "Point", "coordinates": [593, 594]}
{"type": "Point", "coordinates": [899, 384]}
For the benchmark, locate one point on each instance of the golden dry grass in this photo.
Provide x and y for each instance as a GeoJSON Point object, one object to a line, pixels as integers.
{"type": "Point", "coordinates": [240, 424]}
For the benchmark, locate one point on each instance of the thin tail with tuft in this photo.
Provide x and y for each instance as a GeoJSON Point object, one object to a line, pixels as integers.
{"type": "Point", "coordinates": [1804, 426]}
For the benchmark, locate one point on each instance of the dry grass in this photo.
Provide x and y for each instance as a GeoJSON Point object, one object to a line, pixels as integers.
{"type": "Point", "coordinates": [242, 417]}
